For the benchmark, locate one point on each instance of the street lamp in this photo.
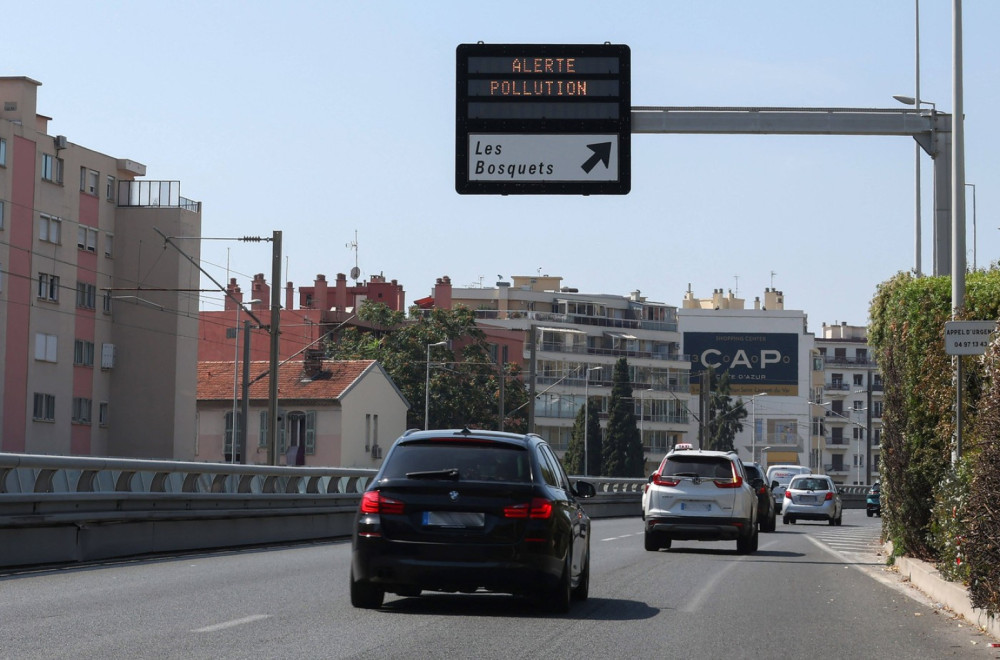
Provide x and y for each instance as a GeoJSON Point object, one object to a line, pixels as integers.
{"type": "Point", "coordinates": [586, 418]}
{"type": "Point", "coordinates": [641, 406]}
{"type": "Point", "coordinates": [915, 101]}
{"type": "Point", "coordinates": [235, 434]}
{"type": "Point", "coordinates": [753, 426]}
{"type": "Point", "coordinates": [973, 186]}
{"type": "Point", "coordinates": [427, 384]}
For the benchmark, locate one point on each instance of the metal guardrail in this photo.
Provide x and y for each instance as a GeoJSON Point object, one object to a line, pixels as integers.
{"type": "Point", "coordinates": [57, 509]}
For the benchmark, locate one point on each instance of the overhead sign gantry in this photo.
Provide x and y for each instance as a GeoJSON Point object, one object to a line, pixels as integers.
{"type": "Point", "coordinates": [543, 119]}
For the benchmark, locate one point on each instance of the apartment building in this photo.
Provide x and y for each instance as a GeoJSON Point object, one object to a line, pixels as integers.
{"type": "Point", "coordinates": [98, 315]}
{"type": "Point", "coordinates": [852, 405]}
{"type": "Point", "coordinates": [769, 355]}
{"type": "Point", "coordinates": [567, 344]}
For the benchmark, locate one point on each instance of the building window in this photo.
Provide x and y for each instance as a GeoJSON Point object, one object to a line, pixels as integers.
{"type": "Point", "coordinates": [83, 353]}
{"type": "Point", "coordinates": [46, 347]}
{"type": "Point", "coordinates": [106, 298]}
{"type": "Point", "coordinates": [859, 379]}
{"type": "Point", "coordinates": [81, 410]}
{"type": "Point", "coordinates": [109, 243]}
{"type": "Point", "coordinates": [3, 209]}
{"type": "Point", "coordinates": [231, 432]}
{"type": "Point", "coordinates": [89, 180]}
{"type": "Point", "coordinates": [45, 407]}
{"type": "Point", "coordinates": [3, 152]}
{"type": "Point", "coordinates": [86, 238]}
{"type": "Point", "coordinates": [48, 287]}
{"type": "Point", "coordinates": [86, 295]}
{"type": "Point", "coordinates": [50, 230]}
{"type": "Point", "coordinates": [310, 437]}
{"type": "Point", "coordinates": [52, 168]}
{"type": "Point", "coordinates": [109, 189]}
{"type": "Point", "coordinates": [102, 413]}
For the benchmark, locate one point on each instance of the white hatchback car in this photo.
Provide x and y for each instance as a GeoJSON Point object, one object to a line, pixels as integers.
{"type": "Point", "coordinates": [700, 495]}
{"type": "Point", "coordinates": [812, 497]}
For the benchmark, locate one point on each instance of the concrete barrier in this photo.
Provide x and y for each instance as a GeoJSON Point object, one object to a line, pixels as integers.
{"type": "Point", "coordinates": [57, 510]}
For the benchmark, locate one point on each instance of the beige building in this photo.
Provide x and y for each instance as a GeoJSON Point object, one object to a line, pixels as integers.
{"type": "Point", "coordinates": [98, 316]}
{"type": "Point", "coordinates": [852, 408]}
{"type": "Point", "coordinates": [330, 413]}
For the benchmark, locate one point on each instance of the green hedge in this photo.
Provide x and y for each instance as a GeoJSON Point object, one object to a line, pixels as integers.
{"type": "Point", "coordinates": [932, 509]}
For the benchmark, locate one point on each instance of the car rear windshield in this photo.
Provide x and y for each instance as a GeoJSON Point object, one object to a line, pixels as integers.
{"type": "Point", "coordinates": [708, 467]}
{"type": "Point", "coordinates": [453, 460]}
{"type": "Point", "coordinates": [810, 484]}
{"type": "Point", "coordinates": [753, 472]}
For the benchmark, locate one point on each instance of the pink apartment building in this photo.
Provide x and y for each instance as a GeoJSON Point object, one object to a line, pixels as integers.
{"type": "Point", "coordinates": [98, 318]}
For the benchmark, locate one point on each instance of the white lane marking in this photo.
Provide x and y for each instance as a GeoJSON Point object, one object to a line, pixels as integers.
{"type": "Point", "coordinates": [232, 624]}
{"type": "Point", "coordinates": [624, 536]}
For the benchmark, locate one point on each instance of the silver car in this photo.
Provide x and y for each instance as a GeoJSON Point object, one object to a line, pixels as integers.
{"type": "Point", "coordinates": [811, 497]}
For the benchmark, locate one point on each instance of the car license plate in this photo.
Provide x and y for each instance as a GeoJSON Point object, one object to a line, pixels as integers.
{"type": "Point", "coordinates": [807, 499]}
{"type": "Point", "coordinates": [459, 519]}
{"type": "Point", "coordinates": [696, 506]}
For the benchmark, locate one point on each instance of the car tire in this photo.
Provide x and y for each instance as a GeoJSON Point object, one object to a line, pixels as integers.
{"type": "Point", "coordinates": [747, 544]}
{"type": "Point", "coordinates": [366, 595]}
{"type": "Point", "coordinates": [784, 520]}
{"type": "Point", "coordinates": [770, 524]}
{"type": "Point", "coordinates": [560, 597]}
{"type": "Point", "coordinates": [651, 542]}
{"type": "Point", "coordinates": [840, 520]}
{"type": "Point", "coordinates": [870, 513]}
{"type": "Point", "coordinates": [833, 521]}
{"type": "Point", "coordinates": [582, 589]}
{"type": "Point", "coordinates": [791, 520]}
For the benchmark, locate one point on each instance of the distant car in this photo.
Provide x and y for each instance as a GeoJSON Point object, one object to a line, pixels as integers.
{"type": "Point", "coordinates": [700, 495]}
{"type": "Point", "coordinates": [461, 510]}
{"type": "Point", "coordinates": [873, 501]}
{"type": "Point", "coordinates": [812, 497]}
{"type": "Point", "coordinates": [766, 514]}
{"type": "Point", "coordinates": [778, 477]}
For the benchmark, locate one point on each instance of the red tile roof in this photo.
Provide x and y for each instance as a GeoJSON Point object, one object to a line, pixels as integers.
{"type": "Point", "coordinates": [215, 379]}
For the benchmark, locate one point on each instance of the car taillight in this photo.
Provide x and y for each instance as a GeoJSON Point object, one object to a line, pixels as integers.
{"type": "Point", "coordinates": [660, 480]}
{"type": "Point", "coordinates": [373, 502]}
{"type": "Point", "coordinates": [763, 490]}
{"type": "Point", "coordinates": [829, 496]}
{"type": "Point", "coordinates": [788, 495]}
{"type": "Point", "coordinates": [735, 482]}
{"type": "Point", "coordinates": [538, 508]}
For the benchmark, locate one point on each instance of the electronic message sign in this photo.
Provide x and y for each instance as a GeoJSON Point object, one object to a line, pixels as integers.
{"type": "Point", "coordinates": [543, 119]}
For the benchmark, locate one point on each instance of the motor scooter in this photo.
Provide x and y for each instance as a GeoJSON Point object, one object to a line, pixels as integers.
{"type": "Point", "coordinates": [873, 502]}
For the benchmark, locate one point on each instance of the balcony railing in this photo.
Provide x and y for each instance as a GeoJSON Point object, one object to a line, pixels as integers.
{"type": "Point", "coordinates": [154, 194]}
{"type": "Point", "coordinates": [559, 347]}
{"type": "Point", "coordinates": [554, 317]}
{"type": "Point", "coordinates": [859, 361]}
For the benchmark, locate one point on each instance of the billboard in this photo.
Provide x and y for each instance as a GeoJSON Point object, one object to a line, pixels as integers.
{"type": "Point", "coordinates": [757, 362]}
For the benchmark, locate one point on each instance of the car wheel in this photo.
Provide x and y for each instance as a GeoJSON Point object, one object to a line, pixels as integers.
{"type": "Point", "coordinates": [771, 524]}
{"type": "Point", "coordinates": [870, 513]}
{"type": "Point", "coordinates": [747, 544]}
{"type": "Point", "coordinates": [651, 542]}
{"type": "Point", "coordinates": [365, 595]}
{"type": "Point", "coordinates": [582, 590]}
{"type": "Point", "coordinates": [840, 519]}
{"type": "Point", "coordinates": [791, 520]}
{"type": "Point", "coordinates": [833, 521]}
{"type": "Point", "coordinates": [784, 520]}
{"type": "Point", "coordinates": [562, 594]}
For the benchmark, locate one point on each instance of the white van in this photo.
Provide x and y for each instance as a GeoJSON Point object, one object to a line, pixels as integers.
{"type": "Point", "coordinates": [783, 475]}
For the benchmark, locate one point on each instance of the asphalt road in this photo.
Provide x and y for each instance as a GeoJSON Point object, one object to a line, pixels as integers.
{"type": "Point", "coordinates": [810, 591]}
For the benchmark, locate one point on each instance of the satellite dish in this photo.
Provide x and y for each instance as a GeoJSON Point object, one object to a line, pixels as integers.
{"type": "Point", "coordinates": [355, 272]}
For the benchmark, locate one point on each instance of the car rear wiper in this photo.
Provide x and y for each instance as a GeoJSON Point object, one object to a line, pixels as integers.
{"type": "Point", "coordinates": [447, 473]}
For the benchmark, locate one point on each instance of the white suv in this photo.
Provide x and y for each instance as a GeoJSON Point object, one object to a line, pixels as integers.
{"type": "Point", "coordinates": [700, 495]}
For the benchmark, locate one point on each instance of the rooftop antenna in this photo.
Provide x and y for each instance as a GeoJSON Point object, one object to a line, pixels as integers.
{"type": "Point", "coordinates": [737, 285]}
{"type": "Point", "coordinates": [772, 278]}
{"type": "Point", "coordinates": [353, 245]}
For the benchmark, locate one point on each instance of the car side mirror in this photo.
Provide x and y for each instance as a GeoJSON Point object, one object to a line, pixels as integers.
{"type": "Point", "coordinates": [774, 484]}
{"type": "Point", "coordinates": [584, 489]}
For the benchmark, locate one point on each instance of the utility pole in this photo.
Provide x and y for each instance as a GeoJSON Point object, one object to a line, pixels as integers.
{"type": "Point", "coordinates": [272, 398]}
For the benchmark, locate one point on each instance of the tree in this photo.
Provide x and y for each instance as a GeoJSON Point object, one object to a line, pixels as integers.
{"type": "Point", "coordinates": [574, 457]}
{"type": "Point", "coordinates": [724, 417]}
{"type": "Point", "coordinates": [464, 390]}
{"type": "Point", "coordinates": [622, 445]}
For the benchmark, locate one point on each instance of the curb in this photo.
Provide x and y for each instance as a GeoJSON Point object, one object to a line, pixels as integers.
{"type": "Point", "coordinates": [925, 577]}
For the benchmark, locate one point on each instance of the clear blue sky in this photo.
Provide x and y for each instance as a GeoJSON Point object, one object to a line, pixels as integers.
{"type": "Point", "coordinates": [320, 119]}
